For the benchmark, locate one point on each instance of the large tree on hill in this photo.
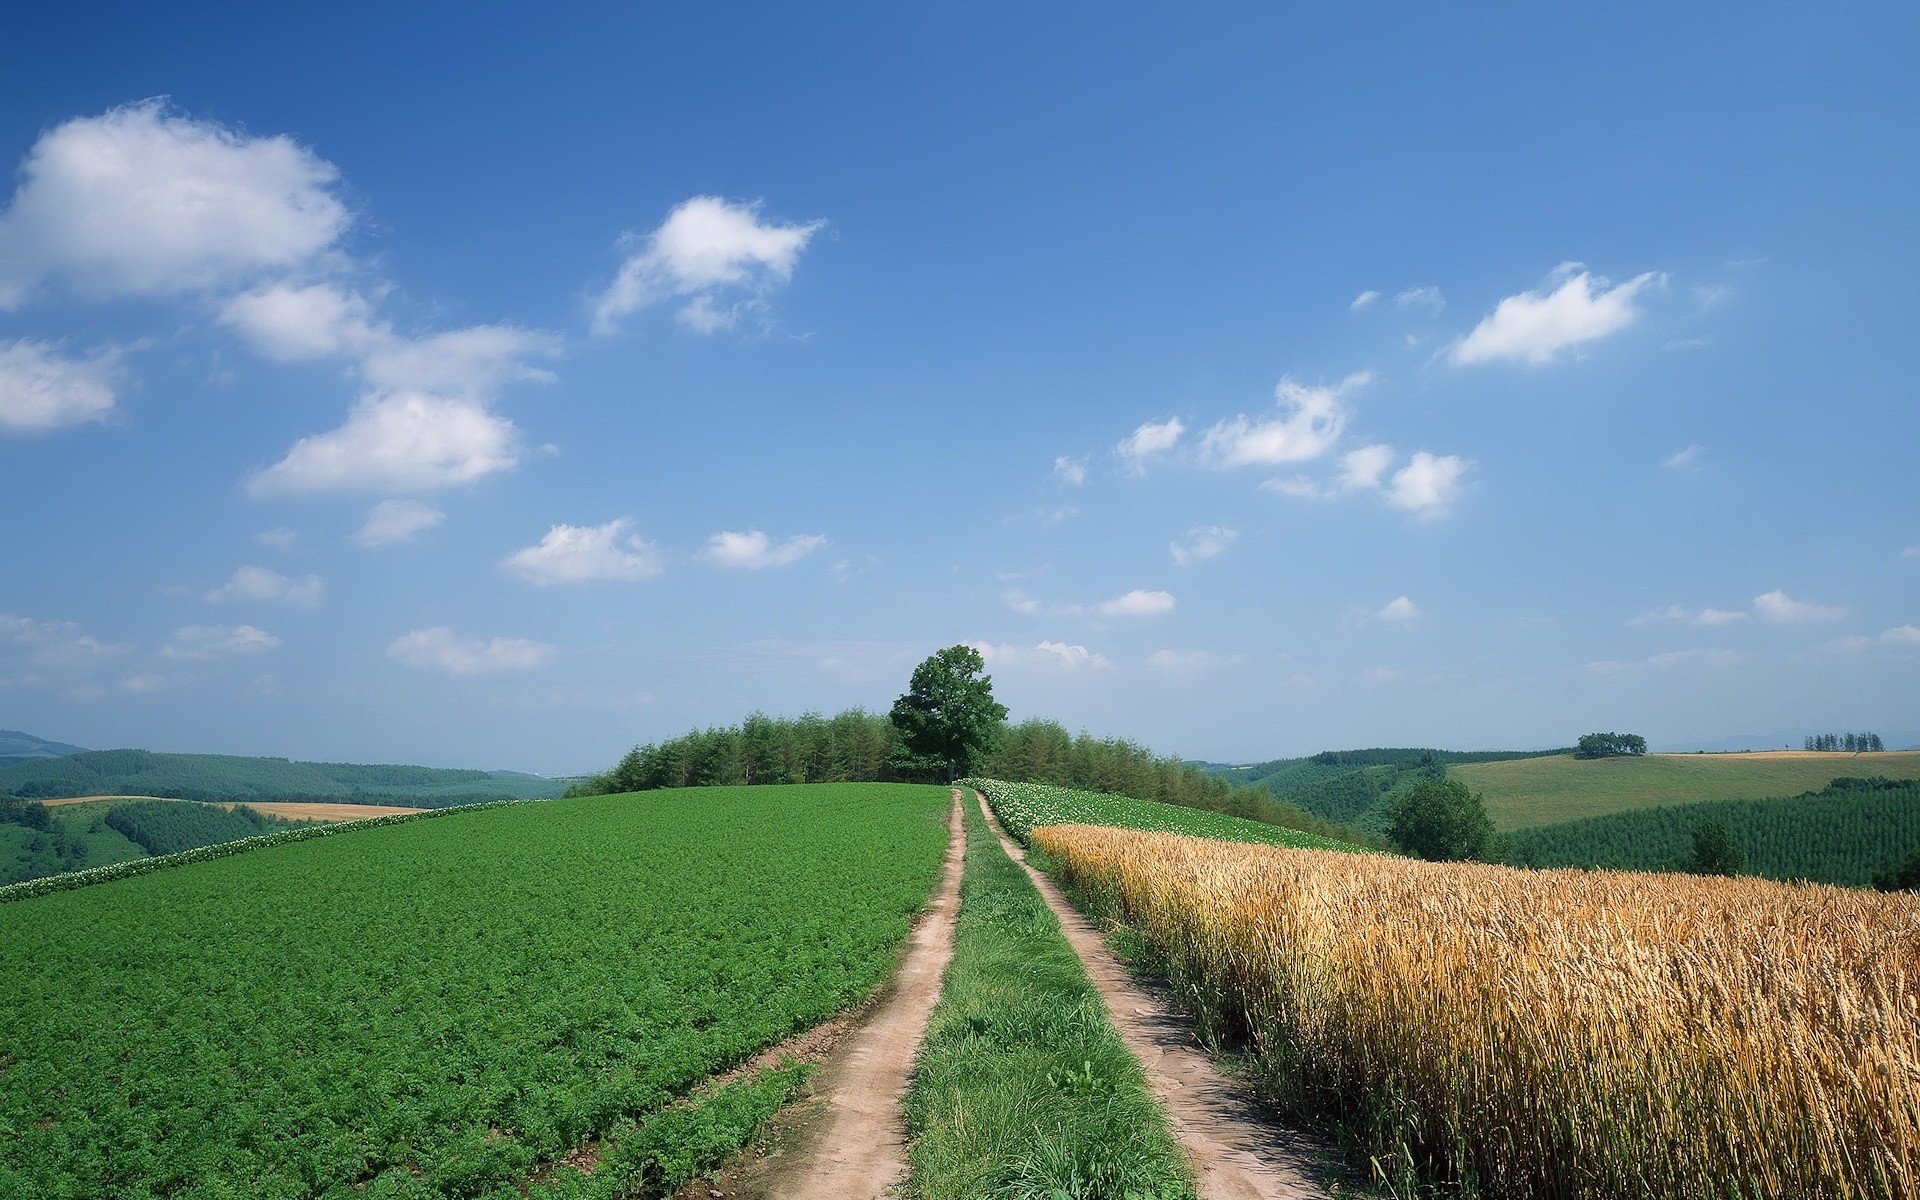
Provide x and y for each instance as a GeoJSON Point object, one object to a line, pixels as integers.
{"type": "Point", "coordinates": [948, 719]}
{"type": "Point", "coordinates": [1714, 851]}
{"type": "Point", "coordinates": [1610, 745]}
{"type": "Point", "coordinates": [1440, 820]}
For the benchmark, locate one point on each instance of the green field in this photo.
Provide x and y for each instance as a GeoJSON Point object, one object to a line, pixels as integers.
{"type": "Point", "coordinates": [97, 833]}
{"type": "Point", "coordinates": [1543, 791]}
{"type": "Point", "coordinates": [1841, 835]}
{"type": "Point", "coordinates": [1022, 807]}
{"type": "Point", "coordinates": [229, 777]}
{"type": "Point", "coordinates": [443, 1007]}
{"type": "Point", "coordinates": [1023, 1087]}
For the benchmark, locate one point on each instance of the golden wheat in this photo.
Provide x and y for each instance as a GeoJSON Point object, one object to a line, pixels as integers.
{"type": "Point", "coordinates": [1550, 1033]}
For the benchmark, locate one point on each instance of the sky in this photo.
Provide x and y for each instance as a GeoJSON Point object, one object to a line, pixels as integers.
{"type": "Point", "coordinates": [390, 384]}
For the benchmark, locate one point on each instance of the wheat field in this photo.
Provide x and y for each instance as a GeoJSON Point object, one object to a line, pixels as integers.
{"type": "Point", "coordinates": [1547, 1033]}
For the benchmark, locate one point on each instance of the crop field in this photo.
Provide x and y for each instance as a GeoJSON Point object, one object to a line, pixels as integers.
{"type": "Point", "coordinates": [1544, 791]}
{"type": "Point", "coordinates": [444, 1007]}
{"type": "Point", "coordinates": [1548, 1033]}
{"type": "Point", "coordinates": [1023, 807]}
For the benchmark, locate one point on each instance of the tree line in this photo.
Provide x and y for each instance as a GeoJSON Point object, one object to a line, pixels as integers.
{"type": "Point", "coordinates": [1846, 743]}
{"type": "Point", "coordinates": [1609, 745]}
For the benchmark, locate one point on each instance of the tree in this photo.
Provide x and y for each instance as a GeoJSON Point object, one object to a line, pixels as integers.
{"type": "Point", "coordinates": [1609, 745]}
{"type": "Point", "coordinates": [1713, 851]}
{"type": "Point", "coordinates": [1439, 820]}
{"type": "Point", "coordinates": [948, 719]}
{"type": "Point", "coordinates": [1901, 876]}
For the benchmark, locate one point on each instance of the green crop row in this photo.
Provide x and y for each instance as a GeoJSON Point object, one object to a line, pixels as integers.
{"type": "Point", "coordinates": [442, 1007]}
{"type": "Point", "coordinates": [1024, 807]}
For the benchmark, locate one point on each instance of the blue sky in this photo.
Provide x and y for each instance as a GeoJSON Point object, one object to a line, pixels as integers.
{"type": "Point", "coordinates": [390, 386]}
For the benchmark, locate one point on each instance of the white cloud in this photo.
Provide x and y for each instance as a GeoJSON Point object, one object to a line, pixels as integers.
{"type": "Point", "coordinates": [203, 643]}
{"type": "Point", "coordinates": [1363, 299]}
{"type": "Point", "coordinates": [1400, 609]}
{"type": "Point", "coordinates": [1020, 602]}
{"type": "Point", "coordinates": [259, 583]}
{"type": "Point", "coordinates": [1534, 327]}
{"type": "Point", "coordinates": [1311, 421]}
{"type": "Point", "coordinates": [1428, 485]}
{"type": "Point", "coordinates": [1363, 469]}
{"type": "Point", "coordinates": [1783, 609]}
{"type": "Point", "coordinates": [42, 389]}
{"type": "Point", "coordinates": [717, 256]}
{"type": "Point", "coordinates": [1192, 660]}
{"type": "Point", "coordinates": [1074, 656]}
{"type": "Point", "coordinates": [1138, 603]}
{"type": "Point", "coordinates": [146, 684]}
{"type": "Point", "coordinates": [1073, 470]}
{"type": "Point", "coordinates": [1295, 485]}
{"type": "Point", "coordinates": [406, 442]}
{"type": "Point", "coordinates": [1902, 635]}
{"type": "Point", "coordinates": [397, 521]}
{"type": "Point", "coordinates": [30, 644]}
{"type": "Point", "coordinates": [754, 550]}
{"type": "Point", "coordinates": [1428, 297]}
{"type": "Point", "coordinates": [1681, 459]}
{"type": "Point", "coordinates": [441, 648]}
{"type": "Point", "coordinates": [1910, 552]}
{"type": "Point", "coordinates": [1706, 618]}
{"type": "Point", "coordinates": [997, 653]}
{"type": "Point", "coordinates": [278, 538]}
{"type": "Point", "coordinates": [291, 322]}
{"type": "Point", "coordinates": [1150, 440]}
{"type": "Point", "coordinates": [137, 201]}
{"type": "Point", "coordinates": [1665, 661]}
{"type": "Point", "coordinates": [587, 553]}
{"type": "Point", "coordinates": [1201, 543]}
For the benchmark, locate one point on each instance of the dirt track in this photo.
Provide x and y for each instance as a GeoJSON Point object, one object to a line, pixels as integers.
{"type": "Point", "coordinates": [849, 1141]}
{"type": "Point", "coordinates": [1237, 1154]}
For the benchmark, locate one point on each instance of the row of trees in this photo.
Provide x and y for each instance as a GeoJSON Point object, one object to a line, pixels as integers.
{"type": "Point", "coordinates": [1609, 745]}
{"type": "Point", "coordinates": [1846, 743]}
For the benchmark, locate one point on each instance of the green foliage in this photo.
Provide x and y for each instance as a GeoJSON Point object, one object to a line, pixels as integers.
{"type": "Point", "coordinates": [439, 1007]}
{"type": "Point", "coordinates": [1023, 1088]}
{"type": "Point", "coordinates": [1846, 743]}
{"type": "Point", "coordinates": [1023, 807]}
{"type": "Point", "coordinates": [170, 826]}
{"type": "Point", "coordinates": [1440, 820]}
{"type": "Point", "coordinates": [947, 717]}
{"type": "Point", "coordinates": [853, 747]}
{"type": "Point", "coordinates": [1713, 851]}
{"type": "Point", "coordinates": [1609, 745]}
{"type": "Point", "coordinates": [225, 777]}
{"type": "Point", "coordinates": [1841, 834]}
{"type": "Point", "coordinates": [1901, 875]}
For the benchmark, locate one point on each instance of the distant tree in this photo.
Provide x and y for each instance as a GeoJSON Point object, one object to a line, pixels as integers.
{"type": "Point", "coordinates": [1609, 745]}
{"type": "Point", "coordinates": [1713, 851]}
{"type": "Point", "coordinates": [948, 719]}
{"type": "Point", "coordinates": [1440, 820]}
{"type": "Point", "coordinates": [1900, 876]}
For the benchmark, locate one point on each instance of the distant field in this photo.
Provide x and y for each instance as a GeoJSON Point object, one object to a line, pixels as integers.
{"type": "Point", "coordinates": [292, 810]}
{"type": "Point", "coordinates": [1023, 807]}
{"type": "Point", "coordinates": [442, 1007]}
{"type": "Point", "coordinates": [1526, 792]}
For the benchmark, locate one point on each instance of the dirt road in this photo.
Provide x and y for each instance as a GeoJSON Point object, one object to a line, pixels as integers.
{"type": "Point", "coordinates": [1237, 1154]}
{"type": "Point", "coordinates": [849, 1141]}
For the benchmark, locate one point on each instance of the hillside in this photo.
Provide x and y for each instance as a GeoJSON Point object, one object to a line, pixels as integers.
{"type": "Point", "coordinates": [1523, 793]}
{"type": "Point", "coordinates": [237, 778]}
{"type": "Point", "coordinates": [16, 746]}
{"type": "Point", "coordinates": [1348, 786]}
{"type": "Point", "coordinates": [1841, 834]}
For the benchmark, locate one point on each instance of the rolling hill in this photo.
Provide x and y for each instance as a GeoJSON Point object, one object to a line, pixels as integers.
{"type": "Point", "coordinates": [16, 746]}
{"type": "Point", "coordinates": [1523, 793]}
{"type": "Point", "coordinates": [235, 778]}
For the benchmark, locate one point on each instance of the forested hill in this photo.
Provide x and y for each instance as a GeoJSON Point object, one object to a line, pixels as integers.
{"type": "Point", "coordinates": [232, 777]}
{"type": "Point", "coordinates": [1351, 785]}
{"type": "Point", "coordinates": [16, 746]}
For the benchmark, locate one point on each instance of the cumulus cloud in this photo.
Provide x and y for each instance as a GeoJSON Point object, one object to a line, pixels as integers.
{"type": "Point", "coordinates": [1902, 635]}
{"type": "Point", "coordinates": [1363, 469]}
{"type": "Point", "coordinates": [42, 388]}
{"type": "Point", "coordinates": [1400, 609]}
{"type": "Point", "coordinates": [1428, 485]}
{"type": "Point", "coordinates": [587, 553]}
{"type": "Point", "coordinates": [406, 442]}
{"type": "Point", "coordinates": [754, 550]}
{"type": "Point", "coordinates": [1201, 543]}
{"type": "Point", "coordinates": [1535, 327]}
{"type": "Point", "coordinates": [279, 538]}
{"type": "Point", "coordinates": [1780, 608]}
{"type": "Point", "coordinates": [1020, 602]}
{"type": "Point", "coordinates": [259, 583]}
{"type": "Point", "coordinates": [716, 257]}
{"type": "Point", "coordinates": [1074, 656]}
{"type": "Point", "coordinates": [1680, 460]}
{"type": "Point", "coordinates": [32, 645]}
{"type": "Point", "coordinates": [1057, 654]}
{"type": "Point", "coordinates": [440, 648]}
{"type": "Point", "coordinates": [204, 643]}
{"type": "Point", "coordinates": [1191, 660]}
{"type": "Point", "coordinates": [1138, 603]}
{"type": "Point", "coordinates": [393, 521]}
{"type": "Point", "coordinates": [1149, 441]}
{"type": "Point", "coordinates": [1073, 470]}
{"type": "Point", "coordinates": [1311, 420]}
{"type": "Point", "coordinates": [141, 201]}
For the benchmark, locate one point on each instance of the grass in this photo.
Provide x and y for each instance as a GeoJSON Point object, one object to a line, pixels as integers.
{"type": "Point", "coordinates": [1547, 1035]}
{"type": "Point", "coordinates": [1023, 1090]}
{"type": "Point", "coordinates": [443, 1007]}
{"type": "Point", "coordinates": [1024, 807]}
{"type": "Point", "coordinates": [1544, 791]}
